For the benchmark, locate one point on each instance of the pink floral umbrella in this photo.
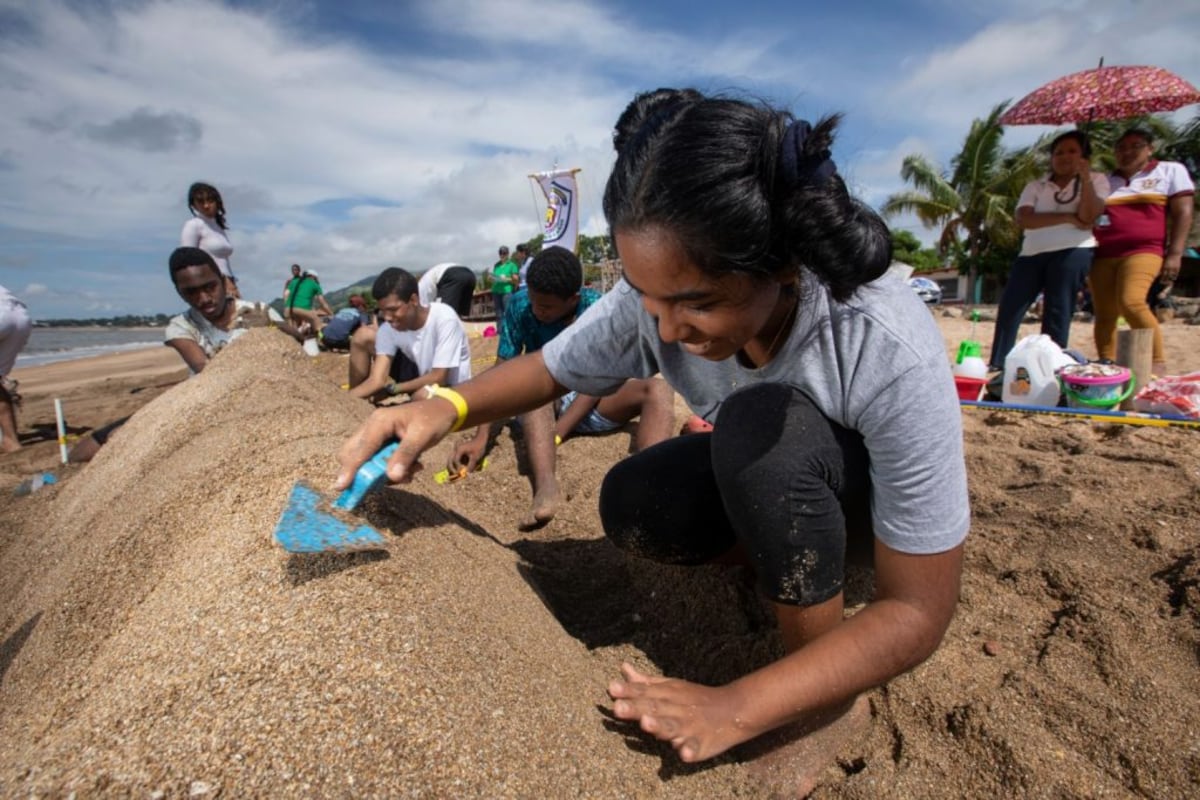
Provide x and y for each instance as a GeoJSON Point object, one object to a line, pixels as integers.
{"type": "Point", "coordinates": [1104, 93]}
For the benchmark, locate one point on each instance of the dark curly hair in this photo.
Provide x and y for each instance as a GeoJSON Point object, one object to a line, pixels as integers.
{"type": "Point", "coordinates": [713, 171]}
{"type": "Point", "coordinates": [184, 257]}
{"type": "Point", "coordinates": [555, 271]}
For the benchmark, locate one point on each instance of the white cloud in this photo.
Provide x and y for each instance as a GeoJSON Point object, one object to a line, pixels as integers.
{"type": "Point", "coordinates": [347, 155]}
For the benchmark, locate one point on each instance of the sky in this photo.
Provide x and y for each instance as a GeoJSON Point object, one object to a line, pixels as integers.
{"type": "Point", "coordinates": [351, 135]}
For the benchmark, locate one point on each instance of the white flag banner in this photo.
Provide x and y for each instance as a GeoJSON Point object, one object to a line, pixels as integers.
{"type": "Point", "coordinates": [560, 227]}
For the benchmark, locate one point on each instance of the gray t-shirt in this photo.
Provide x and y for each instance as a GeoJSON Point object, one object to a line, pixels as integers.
{"type": "Point", "coordinates": [875, 364]}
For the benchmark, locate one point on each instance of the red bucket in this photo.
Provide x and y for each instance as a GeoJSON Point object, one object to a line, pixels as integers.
{"type": "Point", "coordinates": [969, 388]}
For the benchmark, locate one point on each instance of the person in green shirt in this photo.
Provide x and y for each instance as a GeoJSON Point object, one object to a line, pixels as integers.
{"type": "Point", "coordinates": [505, 275]}
{"type": "Point", "coordinates": [305, 302]}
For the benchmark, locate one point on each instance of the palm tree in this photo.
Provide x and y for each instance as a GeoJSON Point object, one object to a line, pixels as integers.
{"type": "Point", "coordinates": [974, 204]}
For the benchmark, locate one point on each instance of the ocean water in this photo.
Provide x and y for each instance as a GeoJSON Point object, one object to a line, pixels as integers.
{"type": "Point", "coordinates": [50, 345]}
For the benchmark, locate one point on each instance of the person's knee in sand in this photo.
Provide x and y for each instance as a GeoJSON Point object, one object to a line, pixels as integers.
{"type": "Point", "coordinates": [552, 300]}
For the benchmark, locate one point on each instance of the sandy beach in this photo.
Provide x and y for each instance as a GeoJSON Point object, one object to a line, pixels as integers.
{"type": "Point", "coordinates": [155, 641]}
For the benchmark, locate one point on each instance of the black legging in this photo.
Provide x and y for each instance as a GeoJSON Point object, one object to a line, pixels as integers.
{"type": "Point", "coordinates": [775, 475]}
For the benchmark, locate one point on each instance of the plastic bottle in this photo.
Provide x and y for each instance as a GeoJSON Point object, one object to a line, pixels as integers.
{"type": "Point", "coordinates": [970, 363]}
{"type": "Point", "coordinates": [31, 485]}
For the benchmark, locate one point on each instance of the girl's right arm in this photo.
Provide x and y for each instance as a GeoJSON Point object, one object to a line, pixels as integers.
{"type": "Point", "coordinates": [510, 388]}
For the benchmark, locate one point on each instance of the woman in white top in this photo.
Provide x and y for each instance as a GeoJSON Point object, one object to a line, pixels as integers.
{"type": "Point", "coordinates": [1056, 212]}
{"type": "Point", "coordinates": [206, 230]}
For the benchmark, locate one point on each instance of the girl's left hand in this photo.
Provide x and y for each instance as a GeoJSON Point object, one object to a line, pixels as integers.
{"type": "Point", "coordinates": [699, 721]}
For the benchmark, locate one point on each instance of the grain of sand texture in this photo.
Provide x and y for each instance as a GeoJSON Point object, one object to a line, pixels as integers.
{"type": "Point", "coordinates": [156, 643]}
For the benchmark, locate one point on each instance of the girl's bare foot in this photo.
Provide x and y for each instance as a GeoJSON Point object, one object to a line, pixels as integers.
{"type": "Point", "coordinates": [790, 761]}
{"type": "Point", "coordinates": [9, 444]}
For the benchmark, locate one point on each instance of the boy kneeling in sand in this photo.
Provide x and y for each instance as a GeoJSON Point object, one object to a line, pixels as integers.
{"type": "Point", "coordinates": [414, 345]}
{"type": "Point", "coordinates": [554, 298]}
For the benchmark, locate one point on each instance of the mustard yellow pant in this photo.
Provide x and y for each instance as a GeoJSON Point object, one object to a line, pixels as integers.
{"type": "Point", "coordinates": [1119, 289]}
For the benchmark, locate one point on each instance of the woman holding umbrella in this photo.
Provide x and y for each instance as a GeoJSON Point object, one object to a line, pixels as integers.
{"type": "Point", "coordinates": [1056, 212]}
{"type": "Point", "coordinates": [1148, 216]}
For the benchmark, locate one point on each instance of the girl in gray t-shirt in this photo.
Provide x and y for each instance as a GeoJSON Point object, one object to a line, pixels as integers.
{"type": "Point", "coordinates": [754, 284]}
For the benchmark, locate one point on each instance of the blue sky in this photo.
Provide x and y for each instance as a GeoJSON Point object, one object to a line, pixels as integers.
{"type": "Point", "coordinates": [350, 135]}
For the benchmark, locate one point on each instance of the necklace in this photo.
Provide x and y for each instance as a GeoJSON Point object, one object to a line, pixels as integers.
{"type": "Point", "coordinates": [786, 325]}
{"type": "Point", "coordinates": [1072, 187]}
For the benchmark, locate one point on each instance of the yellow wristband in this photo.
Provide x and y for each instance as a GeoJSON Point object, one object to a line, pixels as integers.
{"type": "Point", "coordinates": [456, 400]}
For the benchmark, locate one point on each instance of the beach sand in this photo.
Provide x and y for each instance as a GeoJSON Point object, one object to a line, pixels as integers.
{"type": "Point", "coordinates": [155, 642]}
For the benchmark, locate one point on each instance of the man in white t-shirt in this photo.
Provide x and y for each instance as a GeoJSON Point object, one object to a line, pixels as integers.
{"type": "Point", "coordinates": [431, 338]}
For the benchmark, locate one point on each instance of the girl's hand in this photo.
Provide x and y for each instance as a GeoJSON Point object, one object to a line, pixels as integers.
{"type": "Point", "coordinates": [699, 721]}
{"type": "Point", "coordinates": [418, 426]}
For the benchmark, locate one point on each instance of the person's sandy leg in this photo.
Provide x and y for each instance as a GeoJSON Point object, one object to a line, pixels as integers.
{"type": "Point", "coordinates": [9, 443]}
{"type": "Point", "coordinates": [792, 761]}
{"type": "Point", "coordinates": [652, 400]}
{"type": "Point", "coordinates": [362, 348]}
{"type": "Point", "coordinates": [302, 317]}
{"type": "Point", "coordinates": [537, 427]}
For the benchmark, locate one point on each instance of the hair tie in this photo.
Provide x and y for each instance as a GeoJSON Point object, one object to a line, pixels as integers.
{"type": "Point", "coordinates": [799, 167]}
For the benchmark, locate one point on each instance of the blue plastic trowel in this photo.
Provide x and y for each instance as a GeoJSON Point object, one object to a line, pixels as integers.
{"type": "Point", "coordinates": [305, 528]}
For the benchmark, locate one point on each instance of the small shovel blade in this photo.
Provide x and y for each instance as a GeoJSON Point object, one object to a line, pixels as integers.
{"type": "Point", "coordinates": [304, 528]}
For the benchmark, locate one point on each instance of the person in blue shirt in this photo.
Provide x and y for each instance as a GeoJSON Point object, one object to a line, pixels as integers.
{"type": "Point", "coordinates": [553, 299]}
{"type": "Point", "coordinates": [337, 332]}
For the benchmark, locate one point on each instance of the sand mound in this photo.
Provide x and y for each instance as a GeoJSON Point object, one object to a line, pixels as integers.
{"type": "Point", "coordinates": [155, 640]}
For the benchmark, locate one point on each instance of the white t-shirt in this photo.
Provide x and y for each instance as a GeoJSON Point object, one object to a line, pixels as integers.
{"type": "Point", "coordinates": [1039, 195]}
{"type": "Point", "coordinates": [192, 325]}
{"type": "Point", "coordinates": [440, 342]}
{"type": "Point", "coordinates": [204, 233]}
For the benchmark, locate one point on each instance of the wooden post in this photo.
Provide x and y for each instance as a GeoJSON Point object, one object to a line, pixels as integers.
{"type": "Point", "coordinates": [1135, 347]}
